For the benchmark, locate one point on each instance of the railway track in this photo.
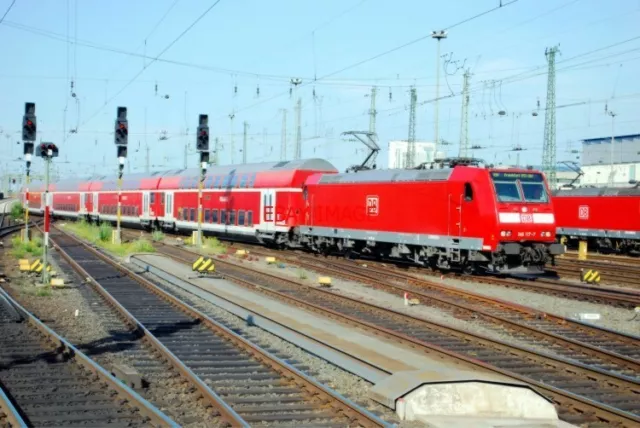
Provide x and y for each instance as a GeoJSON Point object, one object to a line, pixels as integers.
{"type": "Point", "coordinates": [583, 394]}
{"type": "Point", "coordinates": [253, 386]}
{"type": "Point", "coordinates": [611, 272]}
{"type": "Point", "coordinates": [45, 381]}
{"type": "Point", "coordinates": [602, 348]}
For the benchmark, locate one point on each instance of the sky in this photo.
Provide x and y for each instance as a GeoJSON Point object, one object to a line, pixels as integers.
{"type": "Point", "coordinates": [168, 61]}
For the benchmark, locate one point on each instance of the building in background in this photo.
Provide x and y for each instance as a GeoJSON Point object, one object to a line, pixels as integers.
{"type": "Point", "coordinates": [398, 153]}
{"type": "Point", "coordinates": [596, 160]}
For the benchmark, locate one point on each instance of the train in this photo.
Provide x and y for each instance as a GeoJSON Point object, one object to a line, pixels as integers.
{"type": "Point", "coordinates": [608, 218]}
{"type": "Point", "coordinates": [454, 214]}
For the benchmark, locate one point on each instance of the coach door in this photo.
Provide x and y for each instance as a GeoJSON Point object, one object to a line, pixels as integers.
{"type": "Point", "coordinates": [168, 207]}
{"type": "Point", "coordinates": [95, 202]}
{"type": "Point", "coordinates": [268, 209]}
{"type": "Point", "coordinates": [145, 204]}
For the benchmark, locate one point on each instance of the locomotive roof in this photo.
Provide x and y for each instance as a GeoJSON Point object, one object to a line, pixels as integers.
{"type": "Point", "coordinates": [388, 175]}
{"type": "Point", "coordinates": [599, 191]}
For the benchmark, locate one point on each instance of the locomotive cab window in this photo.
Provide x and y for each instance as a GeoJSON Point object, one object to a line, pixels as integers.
{"type": "Point", "coordinates": [519, 187]}
{"type": "Point", "coordinates": [468, 192]}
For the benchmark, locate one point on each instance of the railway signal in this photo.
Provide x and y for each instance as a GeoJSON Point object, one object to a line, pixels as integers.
{"type": "Point", "coordinates": [29, 132]}
{"type": "Point", "coordinates": [121, 139]}
{"type": "Point", "coordinates": [202, 145]}
{"type": "Point", "coordinates": [47, 151]}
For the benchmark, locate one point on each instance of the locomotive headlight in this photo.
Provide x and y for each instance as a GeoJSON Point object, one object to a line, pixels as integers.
{"type": "Point", "coordinates": [503, 233]}
{"type": "Point", "coordinates": [508, 233]}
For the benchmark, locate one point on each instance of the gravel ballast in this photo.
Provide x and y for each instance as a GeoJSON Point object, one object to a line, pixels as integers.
{"type": "Point", "coordinates": [345, 383]}
{"type": "Point", "coordinates": [96, 330]}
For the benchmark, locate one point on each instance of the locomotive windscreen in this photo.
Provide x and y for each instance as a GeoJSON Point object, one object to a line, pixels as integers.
{"type": "Point", "coordinates": [519, 187]}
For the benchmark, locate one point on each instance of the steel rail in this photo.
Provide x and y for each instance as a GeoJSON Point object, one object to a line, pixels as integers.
{"type": "Point", "coordinates": [149, 411]}
{"type": "Point", "coordinates": [469, 299]}
{"type": "Point", "coordinates": [562, 397]}
{"type": "Point", "coordinates": [340, 404]}
{"type": "Point", "coordinates": [9, 413]}
{"type": "Point", "coordinates": [227, 413]}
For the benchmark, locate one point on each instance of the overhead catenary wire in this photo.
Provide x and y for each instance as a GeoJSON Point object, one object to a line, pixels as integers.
{"type": "Point", "coordinates": [6, 12]}
{"type": "Point", "coordinates": [173, 42]}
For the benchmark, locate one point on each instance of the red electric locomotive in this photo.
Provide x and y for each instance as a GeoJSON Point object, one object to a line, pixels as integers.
{"type": "Point", "coordinates": [448, 215]}
{"type": "Point", "coordinates": [462, 216]}
{"type": "Point", "coordinates": [607, 218]}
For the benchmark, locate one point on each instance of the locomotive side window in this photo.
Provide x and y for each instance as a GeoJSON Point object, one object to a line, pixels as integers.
{"type": "Point", "coordinates": [468, 192]}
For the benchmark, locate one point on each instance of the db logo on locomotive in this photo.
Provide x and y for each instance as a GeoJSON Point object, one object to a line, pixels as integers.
{"type": "Point", "coordinates": [526, 218]}
{"type": "Point", "coordinates": [583, 212]}
{"type": "Point", "coordinates": [372, 205]}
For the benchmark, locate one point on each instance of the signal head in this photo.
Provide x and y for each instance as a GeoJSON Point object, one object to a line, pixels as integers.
{"type": "Point", "coordinates": [29, 108]}
{"type": "Point", "coordinates": [203, 120]}
{"type": "Point", "coordinates": [122, 113]}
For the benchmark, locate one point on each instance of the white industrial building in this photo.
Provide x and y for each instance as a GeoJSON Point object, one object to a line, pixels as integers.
{"type": "Point", "coordinates": [597, 156]}
{"type": "Point", "coordinates": [398, 153]}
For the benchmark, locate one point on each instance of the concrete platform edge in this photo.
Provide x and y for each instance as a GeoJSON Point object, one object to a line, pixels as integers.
{"type": "Point", "coordinates": [343, 360]}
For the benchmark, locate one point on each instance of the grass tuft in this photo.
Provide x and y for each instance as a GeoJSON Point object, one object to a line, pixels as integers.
{"type": "Point", "coordinates": [20, 249]}
{"type": "Point", "coordinates": [157, 236]}
{"type": "Point", "coordinates": [17, 211]}
{"type": "Point", "coordinates": [213, 245]}
{"type": "Point", "coordinates": [101, 237]}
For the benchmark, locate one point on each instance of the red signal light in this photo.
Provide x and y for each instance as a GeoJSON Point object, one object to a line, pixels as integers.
{"type": "Point", "coordinates": [29, 123]}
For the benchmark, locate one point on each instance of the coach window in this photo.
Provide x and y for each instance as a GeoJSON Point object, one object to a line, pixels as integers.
{"type": "Point", "coordinates": [468, 192]}
{"type": "Point", "coordinates": [207, 216]}
{"type": "Point", "coordinates": [249, 218]}
{"type": "Point", "coordinates": [234, 181]}
{"type": "Point", "coordinates": [214, 216]}
{"type": "Point", "coordinates": [240, 218]}
{"type": "Point", "coordinates": [243, 181]}
{"type": "Point", "coordinates": [216, 183]}
{"type": "Point", "coordinates": [252, 180]}
{"type": "Point", "coordinates": [232, 217]}
{"type": "Point", "coordinates": [153, 198]}
{"type": "Point", "coordinates": [223, 216]}
{"type": "Point", "coordinates": [193, 214]}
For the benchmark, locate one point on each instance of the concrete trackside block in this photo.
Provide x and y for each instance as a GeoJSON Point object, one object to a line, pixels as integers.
{"type": "Point", "coordinates": [128, 375]}
{"type": "Point", "coordinates": [424, 393]}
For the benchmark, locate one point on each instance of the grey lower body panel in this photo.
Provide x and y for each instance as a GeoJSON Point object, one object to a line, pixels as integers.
{"type": "Point", "coordinates": [599, 233]}
{"type": "Point", "coordinates": [423, 240]}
